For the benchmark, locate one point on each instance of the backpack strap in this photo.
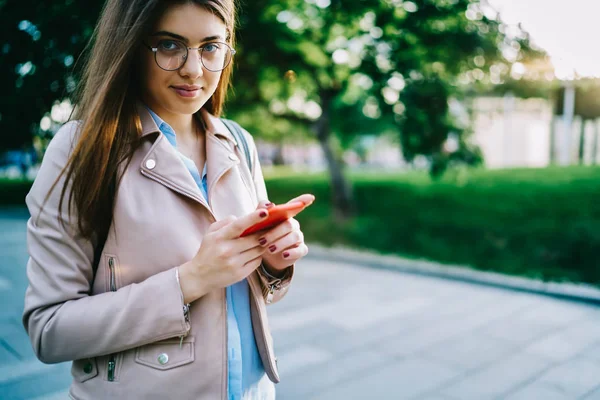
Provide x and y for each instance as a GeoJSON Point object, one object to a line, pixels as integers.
{"type": "Point", "coordinates": [240, 138]}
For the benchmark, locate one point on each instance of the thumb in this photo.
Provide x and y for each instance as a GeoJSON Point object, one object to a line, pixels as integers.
{"type": "Point", "coordinates": [221, 223]}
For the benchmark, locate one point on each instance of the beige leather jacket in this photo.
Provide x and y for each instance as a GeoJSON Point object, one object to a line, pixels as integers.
{"type": "Point", "coordinates": [125, 329]}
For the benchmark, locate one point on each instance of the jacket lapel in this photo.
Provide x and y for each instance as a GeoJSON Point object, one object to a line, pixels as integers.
{"type": "Point", "coordinates": [163, 164]}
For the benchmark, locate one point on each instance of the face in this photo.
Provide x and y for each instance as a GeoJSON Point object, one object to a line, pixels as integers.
{"type": "Point", "coordinates": [186, 90]}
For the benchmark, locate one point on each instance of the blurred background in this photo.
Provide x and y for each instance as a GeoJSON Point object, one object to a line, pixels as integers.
{"type": "Point", "coordinates": [461, 132]}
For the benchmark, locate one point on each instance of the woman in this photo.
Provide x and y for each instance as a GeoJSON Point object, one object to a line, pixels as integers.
{"type": "Point", "coordinates": [137, 270]}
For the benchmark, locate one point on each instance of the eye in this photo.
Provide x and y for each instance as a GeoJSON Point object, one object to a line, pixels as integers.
{"type": "Point", "coordinates": [211, 47]}
{"type": "Point", "coordinates": [168, 45]}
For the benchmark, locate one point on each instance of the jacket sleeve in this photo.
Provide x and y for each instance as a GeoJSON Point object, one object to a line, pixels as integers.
{"type": "Point", "coordinates": [274, 289]}
{"type": "Point", "coordinates": [63, 321]}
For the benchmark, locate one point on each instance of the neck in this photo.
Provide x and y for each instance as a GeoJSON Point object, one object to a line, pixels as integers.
{"type": "Point", "coordinates": [184, 125]}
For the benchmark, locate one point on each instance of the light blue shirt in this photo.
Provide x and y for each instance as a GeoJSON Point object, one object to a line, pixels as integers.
{"type": "Point", "coordinates": [247, 379]}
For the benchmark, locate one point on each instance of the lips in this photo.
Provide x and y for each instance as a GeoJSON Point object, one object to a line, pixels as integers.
{"type": "Point", "coordinates": [187, 90]}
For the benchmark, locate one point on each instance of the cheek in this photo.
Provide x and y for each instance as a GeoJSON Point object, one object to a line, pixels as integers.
{"type": "Point", "coordinates": [213, 81]}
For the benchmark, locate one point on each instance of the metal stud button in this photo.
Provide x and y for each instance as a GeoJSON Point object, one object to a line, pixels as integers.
{"type": "Point", "coordinates": [87, 368]}
{"type": "Point", "coordinates": [163, 359]}
{"type": "Point", "coordinates": [150, 164]}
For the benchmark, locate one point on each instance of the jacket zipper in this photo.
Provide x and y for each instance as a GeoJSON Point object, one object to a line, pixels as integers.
{"type": "Point", "coordinates": [272, 288]}
{"type": "Point", "coordinates": [260, 325]}
{"type": "Point", "coordinates": [113, 288]}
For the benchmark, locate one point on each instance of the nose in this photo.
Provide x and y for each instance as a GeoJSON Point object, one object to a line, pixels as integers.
{"type": "Point", "coordinates": [192, 68]}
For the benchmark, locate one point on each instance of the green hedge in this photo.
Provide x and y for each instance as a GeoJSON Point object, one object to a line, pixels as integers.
{"type": "Point", "coordinates": [542, 223]}
{"type": "Point", "coordinates": [13, 192]}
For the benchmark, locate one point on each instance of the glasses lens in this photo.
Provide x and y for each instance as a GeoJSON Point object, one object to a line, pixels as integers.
{"type": "Point", "coordinates": [216, 56]}
{"type": "Point", "coordinates": [170, 54]}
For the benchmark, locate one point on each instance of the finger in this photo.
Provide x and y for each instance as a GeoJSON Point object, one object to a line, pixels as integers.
{"type": "Point", "coordinates": [251, 265]}
{"type": "Point", "coordinates": [254, 240]}
{"type": "Point", "coordinates": [265, 204]}
{"type": "Point", "coordinates": [251, 254]}
{"type": "Point", "coordinates": [292, 240]}
{"type": "Point", "coordinates": [220, 224]}
{"type": "Point", "coordinates": [236, 228]}
{"type": "Point", "coordinates": [294, 254]}
{"type": "Point", "coordinates": [307, 199]}
{"type": "Point", "coordinates": [281, 230]}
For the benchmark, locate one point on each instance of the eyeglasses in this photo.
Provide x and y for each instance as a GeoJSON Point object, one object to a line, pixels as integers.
{"type": "Point", "coordinates": [171, 55]}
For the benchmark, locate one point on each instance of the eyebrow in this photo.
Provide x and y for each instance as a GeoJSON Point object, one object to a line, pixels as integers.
{"type": "Point", "coordinates": [184, 39]}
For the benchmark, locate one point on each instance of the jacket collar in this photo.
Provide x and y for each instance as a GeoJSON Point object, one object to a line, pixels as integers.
{"type": "Point", "coordinates": [213, 125]}
{"type": "Point", "coordinates": [167, 167]}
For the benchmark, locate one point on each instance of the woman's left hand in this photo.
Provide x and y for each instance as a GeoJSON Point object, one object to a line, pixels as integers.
{"type": "Point", "coordinates": [285, 242]}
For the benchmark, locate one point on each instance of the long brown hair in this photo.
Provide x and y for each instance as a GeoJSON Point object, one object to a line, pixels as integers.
{"type": "Point", "coordinates": [105, 103]}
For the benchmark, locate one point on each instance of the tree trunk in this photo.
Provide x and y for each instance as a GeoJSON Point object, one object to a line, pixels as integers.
{"type": "Point", "coordinates": [582, 141]}
{"type": "Point", "coordinates": [341, 195]}
{"type": "Point", "coordinates": [278, 156]}
{"type": "Point", "coordinates": [595, 146]}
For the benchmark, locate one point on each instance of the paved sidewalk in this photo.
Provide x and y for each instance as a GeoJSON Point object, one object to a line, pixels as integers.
{"type": "Point", "coordinates": [348, 332]}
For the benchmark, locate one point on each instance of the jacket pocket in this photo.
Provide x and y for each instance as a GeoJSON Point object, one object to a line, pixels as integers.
{"type": "Point", "coordinates": [83, 370]}
{"type": "Point", "coordinates": [166, 354]}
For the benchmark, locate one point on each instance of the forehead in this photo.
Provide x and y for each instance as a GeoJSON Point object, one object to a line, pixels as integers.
{"type": "Point", "coordinates": [192, 22]}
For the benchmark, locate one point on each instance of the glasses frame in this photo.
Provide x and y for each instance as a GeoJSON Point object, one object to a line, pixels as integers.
{"type": "Point", "coordinates": [187, 49]}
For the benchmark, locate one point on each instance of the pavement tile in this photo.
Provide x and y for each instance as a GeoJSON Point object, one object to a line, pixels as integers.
{"type": "Point", "coordinates": [499, 378]}
{"type": "Point", "coordinates": [7, 355]}
{"type": "Point", "coordinates": [593, 395]}
{"type": "Point", "coordinates": [48, 380]}
{"type": "Point", "coordinates": [405, 379]}
{"type": "Point", "coordinates": [284, 340]}
{"type": "Point", "coordinates": [592, 352]}
{"type": "Point", "coordinates": [301, 357]}
{"type": "Point", "coordinates": [539, 390]}
{"type": "Point", "coordinates": [575, 377]}
{"type": "Point", "coordinates": [566, 343]}
{"type": "Point", "coordinates": [459, 352]}
{"type": "Point", "coordinates": [330, 374]}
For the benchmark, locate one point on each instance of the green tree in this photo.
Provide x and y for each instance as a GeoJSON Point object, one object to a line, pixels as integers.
{"type": "Point", "coordinates": [370, 66]}
{"type": "Point", "coordinates": [305, 67]}
{"type": "Point", "coordinates": [40, 46]}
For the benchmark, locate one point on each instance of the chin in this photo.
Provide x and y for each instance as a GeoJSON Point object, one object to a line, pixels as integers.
{"type": "Point", "coordinates": [190, 107]}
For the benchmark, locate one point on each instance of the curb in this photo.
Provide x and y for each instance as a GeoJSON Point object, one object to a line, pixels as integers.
{"type": "Point", "coordinates": [583, 293]}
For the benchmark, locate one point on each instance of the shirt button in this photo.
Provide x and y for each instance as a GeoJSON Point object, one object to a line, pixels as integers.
{"type": "Point", "coordinates": [233, 157]}
{"type": "Point", "coordinates": [150, 164]}
{"type": "Point", "coordinates": [163, 359]}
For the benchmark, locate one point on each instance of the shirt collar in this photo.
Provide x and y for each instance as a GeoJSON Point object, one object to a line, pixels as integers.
{"type": "Point", "coordinates": [164, 127]}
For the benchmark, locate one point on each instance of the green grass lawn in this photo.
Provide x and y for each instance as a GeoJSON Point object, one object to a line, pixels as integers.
{"type": "Point", "coordinates": [542, 223]}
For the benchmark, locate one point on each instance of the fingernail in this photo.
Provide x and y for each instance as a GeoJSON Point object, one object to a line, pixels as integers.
{"type": "Point", "coordinates": [286, 254]}
{"type": "Point", "coordinates": [268, 205]}
{"type": "Point", "coordinates": [262, 214]}
{"type": "Point", "coordinates": [262, 241]}
{"type": "Point", "coordinates": [272, 248]}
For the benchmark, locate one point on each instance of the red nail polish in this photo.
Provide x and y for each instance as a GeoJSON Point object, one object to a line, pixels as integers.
{"type": "Point", "coordinates": [262, 214]}
{"type": "Point", "coordinates": [262, 241]}
{"type": "Point", "coordinates": [272, 248]}
{"type": "Point", "coordinates": [268, 205]}
{"type": "Point", "coordinates": [286, 254]}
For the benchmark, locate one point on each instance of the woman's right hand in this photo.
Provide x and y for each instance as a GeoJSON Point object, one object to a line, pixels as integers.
{"type": "Point", "coordinates": [224, 257]}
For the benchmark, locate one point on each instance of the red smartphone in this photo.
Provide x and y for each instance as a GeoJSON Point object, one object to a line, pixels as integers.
{"type": "Point", "coordinates": [277, 214]}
